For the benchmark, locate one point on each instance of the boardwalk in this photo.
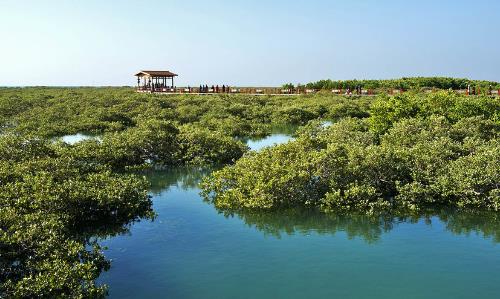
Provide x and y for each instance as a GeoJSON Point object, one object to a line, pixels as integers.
{"type": "Point", "coordinates": [273, 91]}
{"type": "Point", "coordinates": [162, 82]}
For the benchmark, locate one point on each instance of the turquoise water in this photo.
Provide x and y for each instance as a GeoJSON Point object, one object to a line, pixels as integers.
{"type": "Point", "coordinates": [75, 138]}
{"type": "Point", "coordinates": [279, 134]}
{"type": "Point", "coordinates": [191, 250]}
{"type": "Point", "coordinates": [273, 139]}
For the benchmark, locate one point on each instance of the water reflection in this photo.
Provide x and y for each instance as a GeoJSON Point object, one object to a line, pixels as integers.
{"type": "Point", "coordinates": [305, 221]}
{"type": "Point", "coordinates": [273, 139]}
{"type": "Point", "coordinates": [368, 227]}
{"type": "Point", "coordinates": [108, 228]}
{"type": "Point", "coordinates": [485, 224]}
{"type": "Point", "coordinates": [183, 177]}
{"type": "Point", "coordinates": [279, 134]}
{"type": "Point", "coordinates": [78, 137]}
{"type": "Point", "coordinates": [192, 250]}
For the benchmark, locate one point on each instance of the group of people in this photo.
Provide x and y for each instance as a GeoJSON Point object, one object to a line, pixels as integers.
{"type": "Point", "coordinates": [358, 90]}
{"type": "Point", "coordinates": [473, 90]}
{"type": "Point", "coordinates": [214, 89]}
{"type": "Point", "coordinates": [161, 85]}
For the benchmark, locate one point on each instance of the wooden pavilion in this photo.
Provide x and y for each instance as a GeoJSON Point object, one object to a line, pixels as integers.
{"type": "Point", "coordinates": [155, 81]}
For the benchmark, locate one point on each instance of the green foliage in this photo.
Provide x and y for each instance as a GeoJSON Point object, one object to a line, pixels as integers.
{"type": "Point", "coordinates": [49, 203]}
{"type": "Point", "coordinates": [155, 142]}
{"type": "Point", "coordinates": [406, 152]}
{"type": "Point", "coordinates": [203, 146]}
{"type": "Point", "coordinates": [150, 140]}
{"type": "Point", "coordinates": [387, 110]}
{"type": "Point", "coordinates": [51, 112]}
{"type": "Point", "coordinates": [55, 196]}
{"type": "Point", "coordinates": [413, 152]}
{"type": "Point", "coordinates": [416, 83]}
{"type": "Point", "coordinates": [136, 129]}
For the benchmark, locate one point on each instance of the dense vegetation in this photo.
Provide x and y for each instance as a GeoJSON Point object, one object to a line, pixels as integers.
{"type": "Point", "coordinates": [406, 152]}
{"type": "Point", "coordinates": [55, 198]}
{"type": "Point", "coordinates": [51, 203]}
{"type": "Point", "coordinates": [413, 152]}
{"type": "Point", "coordinates": [49, 112]}
{"type": "Point", "coordinates": [135, 129]}
{"type": "Point", "coordinates": [416, 83]}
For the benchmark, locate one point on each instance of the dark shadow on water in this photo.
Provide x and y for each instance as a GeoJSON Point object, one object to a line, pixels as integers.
{"type": "Point", "coordinates": [286, 129]}
{"type": "Point", "coordinates": [161, 180]}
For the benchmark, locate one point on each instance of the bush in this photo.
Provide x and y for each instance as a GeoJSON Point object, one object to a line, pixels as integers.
{"type": "Point", "coordinates": [418, 163]}
{"type": "Point", "coordinates": [50, 203]}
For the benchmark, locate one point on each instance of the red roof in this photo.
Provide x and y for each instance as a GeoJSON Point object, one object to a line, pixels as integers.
{"type": "Point", "coordinates": [156, 74]}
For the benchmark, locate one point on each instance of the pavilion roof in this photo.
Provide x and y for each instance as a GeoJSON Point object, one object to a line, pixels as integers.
{"type": "Point", "coordinates": [155, 74]}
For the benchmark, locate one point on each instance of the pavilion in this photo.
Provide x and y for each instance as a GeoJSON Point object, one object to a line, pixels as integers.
{"type": "Point", "coordinates": [155, 81]}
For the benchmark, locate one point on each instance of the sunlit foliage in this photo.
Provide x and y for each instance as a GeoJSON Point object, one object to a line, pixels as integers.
{"type": "Point", "coordinates": [412, 152]}
{"type": "Point", "coordinates": [407, 153]}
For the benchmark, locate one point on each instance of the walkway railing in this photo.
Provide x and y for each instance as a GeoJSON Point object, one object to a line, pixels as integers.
{"type": "Point", "coordinates": [218, 90]}
{"type": "Point", "coordinates": [284, 91]}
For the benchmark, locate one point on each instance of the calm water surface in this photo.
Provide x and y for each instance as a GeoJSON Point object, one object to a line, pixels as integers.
{"type": "Point", "coordinates": [193, 251]}
{"type": "Point", "coordinates": [75, 138]}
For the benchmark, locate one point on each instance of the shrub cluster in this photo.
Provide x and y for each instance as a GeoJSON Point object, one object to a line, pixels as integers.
{"type": "Point", "coordinates": [410, 154]}
{"type": "Point", "coordinates": [406, 152]}
{"type": "Point", "coordinates": [51, 202]}
{"type": "Point", "coordinates": [415, 83]}
{"type": "Point", "coordinates": [156, 142]}
{"type": "Point", "coordinates": [50, 112]}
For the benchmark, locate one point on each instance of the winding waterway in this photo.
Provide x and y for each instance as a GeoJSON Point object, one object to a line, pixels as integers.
{"type": "Point", "coordinates": [191, 250]}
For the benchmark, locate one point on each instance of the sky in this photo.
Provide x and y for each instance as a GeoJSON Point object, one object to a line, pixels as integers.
{"type": "Point", "coordinates": [246, 43]}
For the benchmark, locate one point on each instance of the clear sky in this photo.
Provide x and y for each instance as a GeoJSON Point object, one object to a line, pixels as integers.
{"type": "Point", "coordinates": [243, 42]}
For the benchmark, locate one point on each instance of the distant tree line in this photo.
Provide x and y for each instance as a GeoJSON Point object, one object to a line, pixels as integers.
{"type": "Point", "coordinates": [414, 83]}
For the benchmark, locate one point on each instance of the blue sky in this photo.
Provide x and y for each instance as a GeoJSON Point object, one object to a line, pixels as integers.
{"type": "Point", "coordinates": [261, 43]}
